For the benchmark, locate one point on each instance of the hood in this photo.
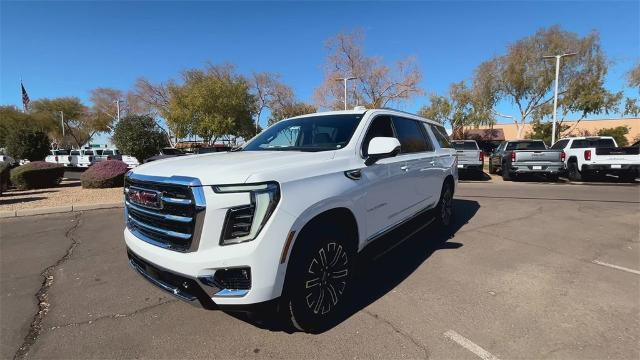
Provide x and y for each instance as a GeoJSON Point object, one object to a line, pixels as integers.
{"type": "Point", "coordinates": [231, 167]}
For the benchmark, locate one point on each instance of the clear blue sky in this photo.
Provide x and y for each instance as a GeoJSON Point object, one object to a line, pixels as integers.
{"type": "Point", "coordinates": [68, 48]}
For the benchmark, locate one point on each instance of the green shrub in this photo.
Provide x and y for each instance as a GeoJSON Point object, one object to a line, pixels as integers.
{"type": "Point", "coordinates": [106, 174]}
{"type": "Point", "coordinates": [37, 175]}
{"type": "Point", "coordinates": [27, 144]}
{"type": "Point", "coordinates": [5, 167]}
{"type": "Point", "coordinates": [139, 136]}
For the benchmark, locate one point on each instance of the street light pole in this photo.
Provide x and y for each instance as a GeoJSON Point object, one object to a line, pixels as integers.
{"type": "Point", "coordinates": [555, 92]}
{"type": "Point", "coordinates": [118, 110]}
{"type": "Point", "coordinates": [62, 123]}
{"type": "Point", "coordinates": [344, 80]}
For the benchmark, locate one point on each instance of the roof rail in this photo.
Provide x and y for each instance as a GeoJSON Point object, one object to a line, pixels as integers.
{"type": "Point", "coordinates": [400, 111]}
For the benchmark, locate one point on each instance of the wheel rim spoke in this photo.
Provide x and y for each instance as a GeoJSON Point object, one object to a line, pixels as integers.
{"type": "Point", "coordinates": [326, 278]}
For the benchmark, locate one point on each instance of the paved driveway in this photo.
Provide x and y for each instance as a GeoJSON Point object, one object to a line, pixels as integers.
{"type": "Point", "coordinates": [532, 271]}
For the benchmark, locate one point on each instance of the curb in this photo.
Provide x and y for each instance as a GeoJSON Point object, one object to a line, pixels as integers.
{"type": "Point", "coordinates": [58, 209]}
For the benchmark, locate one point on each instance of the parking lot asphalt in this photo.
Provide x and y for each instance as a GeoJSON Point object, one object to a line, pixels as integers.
{"type": "Point", "coordinates": [532, 270]}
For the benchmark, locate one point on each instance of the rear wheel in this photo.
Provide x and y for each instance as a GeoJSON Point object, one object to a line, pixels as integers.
{"type": "Point", "coordinates": [318, 278]}
{"type": "Point", "coordinates": [491, 169]}
{"type": "Point", "coordinates": [444, 209]}
{"type": "Point", "coordinates": [506, 176]}
{"type": "Point", "coordinates": [573, 173]}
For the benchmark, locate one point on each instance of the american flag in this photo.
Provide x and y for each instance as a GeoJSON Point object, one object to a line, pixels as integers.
{"type": "Point", "coordinates": [25, 98]}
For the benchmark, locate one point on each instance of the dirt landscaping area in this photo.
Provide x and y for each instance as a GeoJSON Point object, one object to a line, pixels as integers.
{"type": "Point", "coordinates": [69, 192]}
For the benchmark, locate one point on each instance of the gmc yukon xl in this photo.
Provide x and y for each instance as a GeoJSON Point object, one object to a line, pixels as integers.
{"type": "Point", "coordinates": [278, 223]}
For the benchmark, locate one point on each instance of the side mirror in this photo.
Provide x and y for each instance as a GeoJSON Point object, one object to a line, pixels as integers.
{"type": "Point", "coordinates": [382, 147]}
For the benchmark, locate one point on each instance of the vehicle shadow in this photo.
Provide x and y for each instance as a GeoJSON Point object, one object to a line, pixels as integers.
{"type": "Point", "coordinates": [473, 176]}
{"type": "Point", "coordinates": [390, 260]}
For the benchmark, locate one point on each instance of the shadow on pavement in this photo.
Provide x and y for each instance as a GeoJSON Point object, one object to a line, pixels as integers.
{"type": "Point", "coordinates": [473, 175]}
{"type": "Point", "coordinates": [381, 266]}
{"type": "Point", "coordinates": [16, 200]}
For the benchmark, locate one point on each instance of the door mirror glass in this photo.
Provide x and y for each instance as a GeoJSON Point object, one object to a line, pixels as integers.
{"type": "Point", "coordinates": [382, 147]}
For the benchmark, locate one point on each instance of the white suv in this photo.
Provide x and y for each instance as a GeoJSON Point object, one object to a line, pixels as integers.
{"type": "Point", "coordinates": [281, 220]}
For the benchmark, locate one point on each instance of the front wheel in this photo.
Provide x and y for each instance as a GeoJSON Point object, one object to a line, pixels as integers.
{"type": "Point", "coordinates": [318, 279]}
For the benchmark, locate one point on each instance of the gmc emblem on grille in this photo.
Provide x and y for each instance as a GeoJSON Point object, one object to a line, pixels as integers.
{"type": "Point", "coordinates": [146, 198]}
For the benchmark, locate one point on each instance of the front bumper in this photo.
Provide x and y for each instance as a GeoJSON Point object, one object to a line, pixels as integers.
{"type": "Point", "coordinates": [261, 256]}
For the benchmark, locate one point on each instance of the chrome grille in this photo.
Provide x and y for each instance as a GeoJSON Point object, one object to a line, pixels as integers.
{"type": "Point", "coordinates": [176, 223]}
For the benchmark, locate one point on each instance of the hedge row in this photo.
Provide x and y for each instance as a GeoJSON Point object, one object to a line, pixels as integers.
{"type": "Point", "coordinates": [37, 175]}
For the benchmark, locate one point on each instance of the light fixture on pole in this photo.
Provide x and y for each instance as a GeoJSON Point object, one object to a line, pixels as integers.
{"type": "Point", "coordinates": [344, 80]}
{"type": "Point", "coordinates": [555, 91]}
{"type": "Point", "coordinates": [62, 123]}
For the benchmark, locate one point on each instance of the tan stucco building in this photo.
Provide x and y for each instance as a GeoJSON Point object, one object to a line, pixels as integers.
{"type": "Point", "coordinates": [581, 128]}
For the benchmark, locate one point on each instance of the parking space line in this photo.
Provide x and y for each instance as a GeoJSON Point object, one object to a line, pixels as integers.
{"type": "Point", "coordinates": [616, 267]}
{"type": "Point", "coordinates": [470, 345]}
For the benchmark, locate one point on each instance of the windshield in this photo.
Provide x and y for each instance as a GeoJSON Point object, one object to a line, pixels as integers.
{"type": "Point", "coordinates": [465, 145]}
{"type": "Point", "coordinates": [314, 133]}
{"type": "Point", "coordinates": [593, 143]}
{"type": "Point", "coordinates": [526, 145]}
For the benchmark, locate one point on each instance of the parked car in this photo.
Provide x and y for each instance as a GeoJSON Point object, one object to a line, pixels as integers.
{"type": "Point", "coordinates": [114, 154]}
{"type": "Point", "coordinates": [6, 158]}
{"type": "Point", "coordinates": [594, 155]}
{"type": "Point", "coordinates": [165, 154]}
{"type": "Point", "coordinates": [280, 222]}
{"type": "Point", "coordinates": [60, 156]}
{"type": "Point", "coordinates": [470, 157]}
{"type": "Point", "coordinates": [82, 158]}
{"type": "Point", "coordinates": [516, 157]}
{"type": "Point", "coordinates": [212, 149]}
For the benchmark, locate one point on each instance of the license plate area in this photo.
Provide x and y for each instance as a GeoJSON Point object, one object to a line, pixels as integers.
{"type": "Point", "coordinates": [616, 166]}
{"type": "Point", "coordinates": [536, 167]}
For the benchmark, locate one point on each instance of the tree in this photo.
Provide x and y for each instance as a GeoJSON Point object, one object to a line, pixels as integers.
{"type": "Point", "coordinates": [139, 136]}
{"type": "Point", "coordinates": [272, 94]}
{"type": "Point", "coordinates": [542, 131]}
{"type": "Point", "coordinates": [522, 77]}
{"type": "Point", "coordinates": [631, 106]}
{"type": "Point", "coordinates": [28, 144]}
{"type": "Point", "coordinates": [377, 85]}
{"type": "Point", "coordinates": [462, 107]}
{"type": "Point", "coordinates": [211, 103]}
{"type": "Point", "coordinates": [290, 110]}
{"type": "Point", "coordinates": [12, 119]}
{"type": "Point", "coordinates": [80, 124]}
{"type": "Point", "coordinates": [619, 133]}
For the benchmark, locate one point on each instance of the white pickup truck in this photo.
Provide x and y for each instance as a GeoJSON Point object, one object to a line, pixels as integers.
{"type": "Point", "coordinates": [82, 158]}
{"type": "Point", "coordinates": [586, 157]}
{"type": "Point", "coordinates": [278, 223]}
{"type": "Point", "coordinates": [114, 154]}
{"type": "Point", "coordinates": [61, 157]}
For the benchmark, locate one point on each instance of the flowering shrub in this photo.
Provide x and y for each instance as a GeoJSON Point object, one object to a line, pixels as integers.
{"type": "Point", "coordinates": [37, 175]}
{"type": "Point", "coordinates": [106, 174]}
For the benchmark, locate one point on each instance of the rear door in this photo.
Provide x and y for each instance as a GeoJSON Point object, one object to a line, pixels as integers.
{"type": "Point", "coordinates": [421, 172]}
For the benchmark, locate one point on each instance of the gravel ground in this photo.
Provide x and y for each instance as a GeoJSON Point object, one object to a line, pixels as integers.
{"type": "Point", "coordinates": [69, 192]}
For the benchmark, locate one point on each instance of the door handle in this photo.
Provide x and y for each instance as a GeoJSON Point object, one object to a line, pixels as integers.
{"type": "Point", "coordinates": [404, 168]}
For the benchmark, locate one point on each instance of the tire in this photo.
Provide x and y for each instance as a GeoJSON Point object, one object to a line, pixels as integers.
{"type": "Point", "coordinates": [506, 176]}
{"type": "Point", "coordinates": [444, 209]}
{"type": "Point", "coordinates": [315, 296]}
{"type": "Point", "coordinates": [491, 169]}
{"type": "Point", "coordinates": [573, 173]}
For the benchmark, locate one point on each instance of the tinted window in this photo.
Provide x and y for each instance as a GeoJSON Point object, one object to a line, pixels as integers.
{"type": "Point", "coordinates": [88, 152]}
{"type": "Point", "coordinates": [107, 152]}
{"type": "Point", "coordinates": [441, 136]}
{"type": "Point", "coordinates": [75, 152]}
{"type": "Point", "coordinates": [526, 145]}
{"type": "Point", "coordinates": [313, 133]}
{"type": "Point", "coordinates": [171, 151]}
{"type": "Point", "coordinates": [592, 143]}
{"type": "Point", "coordinates": [465, 145]}
{"type": "Point", "coordinates": [559, 145]}
{"type": "Point", "coordinates": [379, 127]}
{"type": "Point", "coordinates": [410, 136]}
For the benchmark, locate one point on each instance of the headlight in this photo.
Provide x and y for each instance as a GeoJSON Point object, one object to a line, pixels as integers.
{"type": "Point", "coordinates": [243, 223]}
